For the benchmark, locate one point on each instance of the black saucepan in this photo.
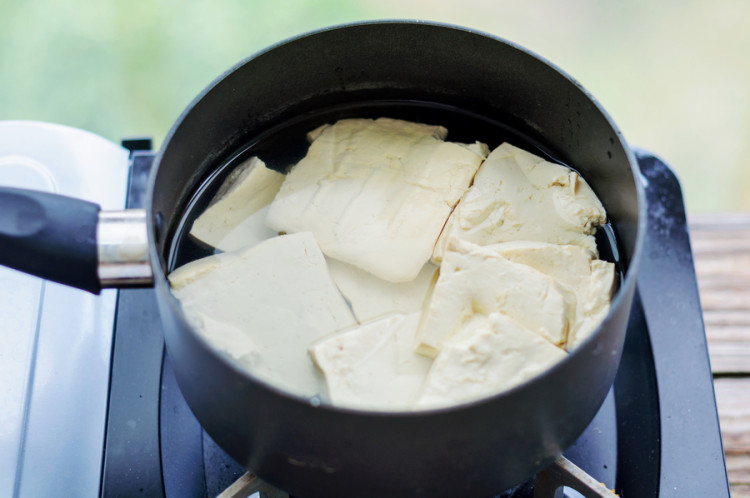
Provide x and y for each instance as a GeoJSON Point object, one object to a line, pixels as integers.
{"type": "Point", "coordinates": [309, 449]}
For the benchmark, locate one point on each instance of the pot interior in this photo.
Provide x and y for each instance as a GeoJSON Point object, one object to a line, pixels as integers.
{"type": "Point", "coordinates": [283, 145]}
{"type": "Point", "coordinates": [479, 87]}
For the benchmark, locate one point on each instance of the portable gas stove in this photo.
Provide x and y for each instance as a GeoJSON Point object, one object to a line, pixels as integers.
{"type": "Point", "coordinates": [92, 406]}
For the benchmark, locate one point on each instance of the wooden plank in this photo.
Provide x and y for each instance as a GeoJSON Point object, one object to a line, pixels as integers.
{"type": "Point", "coordinates": [719, 221]}
{"type": "Point", "coordinates": [738, 467]}
{"type": "Point", "coordinates": [721, 249]}
{"type": "Point", "coordinates": [720, 243]}
{"type": "Point", "coordinates": [733, 401]}
{"type": "Point", "coordinates": [728, 335]}
{"type": "Point", "coordinates": [717, 233]}
{"type": "Point", "coordinates": [729, 358]}
{"type": "Point", "coordinates": [710, 265]}
{"type": "Point", "coordinates": [727, 319]}
{"type": "Point", "coordinates": [728, 299]}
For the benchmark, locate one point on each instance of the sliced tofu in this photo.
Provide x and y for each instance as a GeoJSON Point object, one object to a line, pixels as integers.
{"type": "Point", "coordinates": [373, 366]}
{"type": "Point", "coordinates": [278, 294]}
{"type": "Point", "coordinates": [591, 280]}
{"type": "Point", "coordinates": [236, 216]}
{"type": "Point", "coordinates": [476, 281]}
{"type": "Point", "coordinates": [596, 304]}
{"type": "Point", "coordinates": [248, 232]}
{"type": "Point", "coordinates": [486, 356]}
{"type": "Point", "coordinates": [227, 338]}
{"type": "Point", "coordinates": [186, 275]}
{"type": "Point", "coordinates": [568, 264]}
{"type": "Point", "coordinates": [519, 196]}
{"type": "Point", "coordinates": [376, 193]}
{"type": "Point", "coordinates": [371, 297]}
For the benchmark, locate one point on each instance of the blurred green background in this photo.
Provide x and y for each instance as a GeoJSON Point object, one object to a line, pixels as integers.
{"type": "Point", "coordinates": [673, 74]}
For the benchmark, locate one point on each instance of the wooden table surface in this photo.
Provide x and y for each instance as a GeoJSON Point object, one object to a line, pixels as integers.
{"type": "Point", "coordinates": [721, 246]}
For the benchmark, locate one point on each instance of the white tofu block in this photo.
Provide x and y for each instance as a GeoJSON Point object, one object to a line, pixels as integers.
{"type": "Point", "coordinates": [596, 304]}
{"type": "Point", "coordinates": [373, 366]}
{"type": "Point", "coordinates": [189, 273]}
{"type": "Point", "coordinates": [228, 338]}
{"type": "Point", "coordinates": [590, 280]}
{"type": "Point", "coordinates": [248, 232]}
{"type": "Point", "coordinates": [476, 281]}
{"type": "Point", "coordinates": [519, 196]}
{"type": "Point", "coordinates": [235, 218]}
{"type": "Point", "coordinates": [376, 194]}
{"type": "Point", "coordinates": [274, 300]}
{"type": "Point", "coordinates": [371, 297]}
{"type": "Point", "coordinates": [486, 356]}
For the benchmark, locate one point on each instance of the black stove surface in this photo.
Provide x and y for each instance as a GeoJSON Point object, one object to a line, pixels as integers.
{"type": "Point", "coordinates": [656, 435]}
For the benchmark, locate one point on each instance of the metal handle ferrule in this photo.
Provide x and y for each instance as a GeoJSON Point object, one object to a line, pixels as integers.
{"type": "Point", "coordinates": [122, 246]}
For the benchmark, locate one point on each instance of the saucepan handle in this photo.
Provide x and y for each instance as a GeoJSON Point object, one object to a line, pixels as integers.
{"type": "Point", "coordinates": [73, 242]}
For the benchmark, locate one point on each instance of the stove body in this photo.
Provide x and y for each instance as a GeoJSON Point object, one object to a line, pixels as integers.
{"type": "Point", "coordinates": [55, 341]}
{"type": "Point", "coordinates": [656, 435]}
